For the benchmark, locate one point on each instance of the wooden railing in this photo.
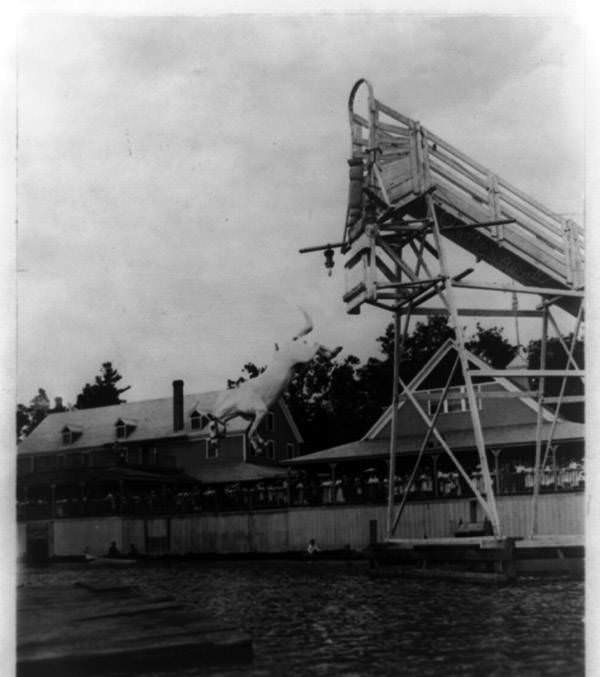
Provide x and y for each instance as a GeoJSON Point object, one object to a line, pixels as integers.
{"type": "Point", "coordinates": [403, 160]}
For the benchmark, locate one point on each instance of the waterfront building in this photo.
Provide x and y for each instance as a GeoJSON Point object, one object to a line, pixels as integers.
{"type": "Point", "coordinates": [145, 474]}
{"type": "Point", "coordinates": [143, 456]}
{"type": "Point", "coordinates": [359, 470]}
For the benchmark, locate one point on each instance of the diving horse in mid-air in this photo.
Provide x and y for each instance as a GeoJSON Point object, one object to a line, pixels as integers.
{"type": "Point", "coordinates": [253, 399]}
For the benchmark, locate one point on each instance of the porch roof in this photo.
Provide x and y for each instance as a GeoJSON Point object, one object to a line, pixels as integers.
{"type": "Point", "coordinates": [459, 440]}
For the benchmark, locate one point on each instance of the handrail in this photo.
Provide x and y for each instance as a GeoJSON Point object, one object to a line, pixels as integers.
{"type": "Point", "coordinates": [555, 241]}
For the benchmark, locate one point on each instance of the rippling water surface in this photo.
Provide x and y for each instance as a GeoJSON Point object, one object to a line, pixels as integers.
{"type": "Point", "coordinates": [321, 618]}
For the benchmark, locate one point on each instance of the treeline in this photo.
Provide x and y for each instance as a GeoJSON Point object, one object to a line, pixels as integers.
{"type": "Point", "coordinates": [102, 393]}
{"type": "Point", "coordinates": [334, 401]}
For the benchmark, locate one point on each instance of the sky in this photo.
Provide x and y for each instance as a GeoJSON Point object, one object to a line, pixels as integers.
{"type": "Point", "coordinates": [171, 167]}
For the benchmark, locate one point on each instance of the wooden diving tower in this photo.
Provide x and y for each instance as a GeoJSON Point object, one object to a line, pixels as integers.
{"type": "Point", "coordinates": [410, 194]}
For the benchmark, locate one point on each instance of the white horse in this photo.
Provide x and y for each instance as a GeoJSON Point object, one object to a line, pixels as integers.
{"type": "Point", "coordinates": [253, 399]}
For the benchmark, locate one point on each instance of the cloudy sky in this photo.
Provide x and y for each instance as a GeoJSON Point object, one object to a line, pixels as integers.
{"type": "Point", "coordinates": [171, 167]}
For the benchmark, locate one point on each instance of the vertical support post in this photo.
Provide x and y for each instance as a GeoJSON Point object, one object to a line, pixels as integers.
{"type": "Point", "coordinates": [82, 498]}
{"type": "Point", "coordinates": [494, 207]}
{"type": "Point", "coordinates": [394, 425]}
{"type": "Point", "coordinates": [460, 344]}
{"type": "Point", "coordinates": [121, 495]}
{"type": "Point", "coordinates": [431, 429]}
{"type": "Point", "coordinates": [332, 466]}
{"type": "Point", "coordinates": [496, 453]}
{"type": "Point", "coordinates": [538, 432]}
{"type": "Point", "coordinates": [435, 459]}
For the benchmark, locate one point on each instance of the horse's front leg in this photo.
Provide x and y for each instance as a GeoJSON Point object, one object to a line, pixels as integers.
{"type": "Point", "coordinates": [256, 440]}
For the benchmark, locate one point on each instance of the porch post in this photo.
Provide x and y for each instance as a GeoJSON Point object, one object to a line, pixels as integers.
{"type": "Point", "coordinates": [496, 453]}
{"type": "Point", "coordinates": [435, 458]}
{"type": "Point", "coordinates": [53, 500]}
{"type": "Point", "coordinates": [121, 495]}
{"type": "Point", "coordinates": [289, 488]}
{"type": "Point", "coordinates": [333, 492]}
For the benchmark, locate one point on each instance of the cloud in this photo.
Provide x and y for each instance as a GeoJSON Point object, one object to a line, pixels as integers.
{"type": "Point", "coordinates": [171, 167]}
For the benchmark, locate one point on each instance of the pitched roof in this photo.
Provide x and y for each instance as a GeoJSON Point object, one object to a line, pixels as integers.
{"type": "Point", "coordinates": [103, 475]}
{"type": "Point", "coordinates": [429, 367]}
{"type": "Point", "coordinates": [498, 437]}
{"type": "Point", "coordinates": [153, 419]}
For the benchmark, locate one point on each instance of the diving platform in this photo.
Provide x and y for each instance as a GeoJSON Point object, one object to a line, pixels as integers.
{"type": "Point", "coordinates": [399, 172]}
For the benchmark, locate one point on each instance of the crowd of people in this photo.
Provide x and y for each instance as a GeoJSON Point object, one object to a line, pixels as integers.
{"type": "Point", "coordinates": [300, 489]}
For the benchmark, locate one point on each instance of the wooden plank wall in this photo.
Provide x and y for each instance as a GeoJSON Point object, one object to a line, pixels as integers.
{"type": "Point", "coordinates": [333, 527]}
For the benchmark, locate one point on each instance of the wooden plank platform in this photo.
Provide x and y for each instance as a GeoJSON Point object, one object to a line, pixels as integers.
{"type": "Point", "coordinates": [497, 560]}
{"type": "Point", "coordinates": [85, 630]}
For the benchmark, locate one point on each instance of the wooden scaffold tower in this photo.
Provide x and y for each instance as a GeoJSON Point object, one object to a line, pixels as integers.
{"type": "Point", "coordinates": [411, 194]}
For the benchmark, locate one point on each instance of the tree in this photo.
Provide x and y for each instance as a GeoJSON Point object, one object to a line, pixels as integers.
{"type": "Point", "coordinates": [336, 401]}
{"type": "Point", "coordinates": [251, 371]}
{"type": "Point", "coordinates": [492, 347]}
{"type": "Point", "coordinates": [29, 417]}
{"type": "Point", "coordinates": [103, 392]}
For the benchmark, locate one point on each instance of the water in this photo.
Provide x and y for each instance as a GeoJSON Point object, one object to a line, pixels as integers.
{"type": "Point", "coordinates": [330, 619]}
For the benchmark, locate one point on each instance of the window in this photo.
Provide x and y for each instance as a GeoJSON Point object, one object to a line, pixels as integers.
{"type": "Point", "coordinates": [290, 449]}
{"type": "Point", "coordinates": [43, 463]}
{"type": "Point", "coordinates": [149, 455]}
{"type": "Point", "coordinates": [212, 449]}
{"type": "Point", "coordinates": [457, 400]}
{"type": "Point", "coordinates": [270, 449]}
{"type": "Point", "coordinates": [198, 420]}
{"type": "Point", "coordinates": [124, 428]}
{"type": "Point", "coordinates": [458, 404]}
{"type": "Point", "coordinates": [269, 422]}
{"type": "Point", "coordinates": [24, 465]}
{"type": "Point", "coordinates": [75, 460]}
{"type": "Point", "coordinates": [70, 433]}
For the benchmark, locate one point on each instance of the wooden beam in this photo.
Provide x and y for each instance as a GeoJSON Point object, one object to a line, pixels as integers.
{"type": "Point", "coordinates": [479, 312]}
{"type": "Point", "coordinates": [538, 291]}
{"type": "Point", "coordinates": [402, 285]}
{"type": "Point", "coordinates": [532, 373]}
{"type": "Point", "coordinates": [485, 224]}
{"type": "Point", "coordinates": [320, 247]}
{"type": "Point", "coordinates": [499, 395]}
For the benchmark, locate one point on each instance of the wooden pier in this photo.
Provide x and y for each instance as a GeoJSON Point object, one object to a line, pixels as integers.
{"type": "Point", "coordinates": [484, 559]}
{"type": "Point", "coordinates": [85, 630]}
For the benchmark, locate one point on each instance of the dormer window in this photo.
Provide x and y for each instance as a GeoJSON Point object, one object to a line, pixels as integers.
{"type": "Point", "coordinates": [198, 420]}
{"type": "Point", "coordinates": [124, 428]}
{"type": "Point", "coordinates": [70, 433]}
{"type": "Point", "coordinates": [456, 402]}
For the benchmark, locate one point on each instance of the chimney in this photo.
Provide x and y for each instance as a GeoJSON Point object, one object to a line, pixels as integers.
{"type": "Point", "coordinates": [177, 405]}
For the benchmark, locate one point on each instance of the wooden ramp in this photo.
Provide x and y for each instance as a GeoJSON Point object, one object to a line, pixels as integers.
{"type": "Point", "coordinates": [80, 630]}
{"type": "Point", "coordinates": [396, 163]}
